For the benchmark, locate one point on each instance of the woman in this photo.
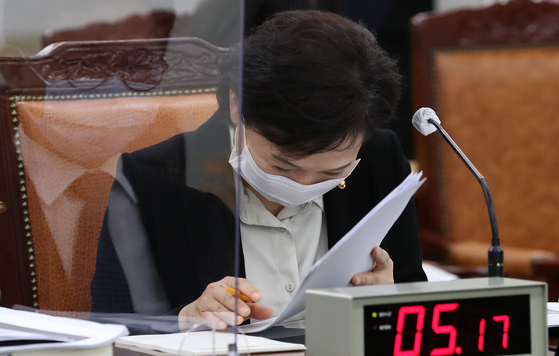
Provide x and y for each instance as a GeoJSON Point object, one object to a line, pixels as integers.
{"type": "Point", "coordinates": [316, 90]}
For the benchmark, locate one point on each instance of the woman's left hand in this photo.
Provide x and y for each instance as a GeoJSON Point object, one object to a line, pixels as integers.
{"type": "Point", "coordinates": [382, 273]}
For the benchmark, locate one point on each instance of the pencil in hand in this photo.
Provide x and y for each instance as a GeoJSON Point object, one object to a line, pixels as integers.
{"type": "Point", "coordinates": [231, 291]}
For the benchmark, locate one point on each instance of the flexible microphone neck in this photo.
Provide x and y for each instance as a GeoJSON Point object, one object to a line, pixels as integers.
{"type": "Point", "coordinates": [495, 255]}
{"type": "Point", "coordinates": [457, 149]}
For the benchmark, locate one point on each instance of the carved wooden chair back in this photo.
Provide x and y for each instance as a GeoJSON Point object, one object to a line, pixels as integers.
{"type": "Point", "coordinates": [66, 116]}
{"type": "Point", "coordinates": [491, 75]}
{"type": "Point", "coordinates": [155, 24]}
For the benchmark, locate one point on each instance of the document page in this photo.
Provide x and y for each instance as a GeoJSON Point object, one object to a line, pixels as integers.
{"type": "Point", "coordinates": [552, 315]}
{"type": "Point", "coordinates": [15, 338]}
{"type": "Point", "coordinates": [203, 343]}
{"type": "Point", "coordinates": [22, 331]}
{"type": "Point", "coordinates": [352, 254]}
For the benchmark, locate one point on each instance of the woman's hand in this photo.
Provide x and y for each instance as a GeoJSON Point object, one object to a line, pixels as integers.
{"type": "Point", "coordinates": [382, 273]}
{"type": "Point", "coordinates": [217, 306]}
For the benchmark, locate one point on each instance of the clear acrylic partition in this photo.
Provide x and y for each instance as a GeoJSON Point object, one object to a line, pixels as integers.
{"type": "Point", "coordinates": [117, 195]}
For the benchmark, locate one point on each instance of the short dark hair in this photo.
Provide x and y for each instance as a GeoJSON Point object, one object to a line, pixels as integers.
{"type": "Point", "coordinates": [312, 81]}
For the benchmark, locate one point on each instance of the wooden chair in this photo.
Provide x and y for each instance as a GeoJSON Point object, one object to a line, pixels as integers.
{"type": "Point", "coordinates": [65, 118]}
{"type": "Point", "coordinates": [155, 24]}
{"type": "Point", "coordinates": [491, 75]}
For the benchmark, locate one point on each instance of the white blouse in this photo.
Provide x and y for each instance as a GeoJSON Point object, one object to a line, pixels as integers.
{"type": "Point", "coordinates": [280, 250]}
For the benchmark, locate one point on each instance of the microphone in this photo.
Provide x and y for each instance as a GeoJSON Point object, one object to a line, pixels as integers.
{"type": "Point", "coordinates": [426, 121]}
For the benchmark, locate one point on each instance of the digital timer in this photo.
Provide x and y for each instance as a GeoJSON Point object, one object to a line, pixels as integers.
{"type": "Point", "coordinates": [481, 316]}
{"type": "Point", "coordinates": [480, 326]}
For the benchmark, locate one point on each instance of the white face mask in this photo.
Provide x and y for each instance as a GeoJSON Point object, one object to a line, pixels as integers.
{"type": "Point", "coordinates": [277, 188]}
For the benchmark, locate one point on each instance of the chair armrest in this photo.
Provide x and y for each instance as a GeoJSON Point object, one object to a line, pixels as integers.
{"type": "Point", "coordinates": [436, 251]}
{"type": "Point", "coordinates": [546, 267]}
{"type": "Point", "coordinates": [548, 270]}
{"type": "Point", "coordinates": [467, 271]}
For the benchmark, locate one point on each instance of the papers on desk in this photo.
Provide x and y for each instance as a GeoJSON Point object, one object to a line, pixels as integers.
{"type": "Point", "coordinates": [15, 337]}
{"type": "Point", "coordinates": [23, 331]}
{"type": "Point", "coordinates": [352, 254]}
{"type": "Point", "coordinates": [552, 315]}
{"type": "Point", "coordinates": [204, 343]}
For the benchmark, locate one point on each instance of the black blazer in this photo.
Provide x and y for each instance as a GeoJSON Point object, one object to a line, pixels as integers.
{"type": "Point", "coordinates": [191, 232]}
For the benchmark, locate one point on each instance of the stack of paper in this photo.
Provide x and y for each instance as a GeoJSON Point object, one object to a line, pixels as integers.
{"type": "Point", "coordinates": [205, 343]}
{"type": "Point", "coordinates": [552, 315]}
{"type": "Point", "coordinates": [27, 333]}
{"type": "Point", "coordinates": [352, 254]}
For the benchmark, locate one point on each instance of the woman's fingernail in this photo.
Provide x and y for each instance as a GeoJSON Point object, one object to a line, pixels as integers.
{"type": "Point", "coordinates": [221, 325]}
{"type": "Point", "coordinates": [244, 310]}
{"type": "Point", "coordinates": [255, 296]}
{"type": "Point", "coordinates": [357, 281]}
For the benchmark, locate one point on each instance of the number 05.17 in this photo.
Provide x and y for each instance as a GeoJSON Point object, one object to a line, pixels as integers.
{"type": "Point", "coordinates": [440, 329]}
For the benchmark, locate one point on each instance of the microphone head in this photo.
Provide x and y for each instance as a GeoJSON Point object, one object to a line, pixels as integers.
{"type": "Point", "coordinates": [419, 121]}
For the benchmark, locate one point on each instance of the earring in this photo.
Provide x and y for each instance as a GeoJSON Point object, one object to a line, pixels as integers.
{"type": "Point", "coordinates": [342, 184]}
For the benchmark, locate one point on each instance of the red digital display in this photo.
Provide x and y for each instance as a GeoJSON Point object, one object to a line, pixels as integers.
{"type": "Point", "coordinates": [420, 311]}
{"type": "Point", "coordinates": [481, 326]}
{"type": "Point", "coordinates": [444, 329]}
